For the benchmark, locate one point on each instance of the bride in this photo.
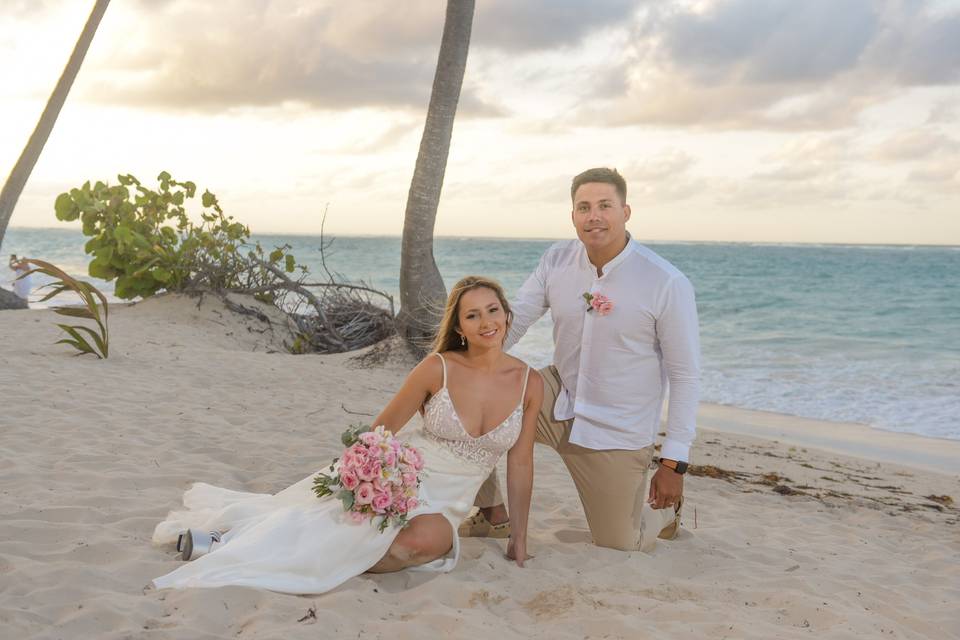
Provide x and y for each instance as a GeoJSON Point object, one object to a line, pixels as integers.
{"type": "Point", "coordinates": [477, 404]}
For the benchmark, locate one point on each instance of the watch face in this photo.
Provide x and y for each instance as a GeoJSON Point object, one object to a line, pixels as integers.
{"type": "Point", "coordinates": [681, 467]}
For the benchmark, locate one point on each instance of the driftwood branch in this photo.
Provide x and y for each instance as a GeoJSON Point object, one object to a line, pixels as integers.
{"type": "Point", "coordinates": [317, 305]}
{"type": "Point", "coordinates": [325, 317]}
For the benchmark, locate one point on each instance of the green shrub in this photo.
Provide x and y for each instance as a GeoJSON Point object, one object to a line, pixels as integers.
{"type": "Point", "coordinates": [146, 240]}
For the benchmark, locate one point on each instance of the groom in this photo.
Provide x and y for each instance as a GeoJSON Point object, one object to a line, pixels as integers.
{"type": "Point", "coordinates": [625, 325]}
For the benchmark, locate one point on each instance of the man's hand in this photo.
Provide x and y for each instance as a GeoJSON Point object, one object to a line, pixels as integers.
{"type": "Point", "coordinates": [666, 487]}
{"type": "Point", "coordinates": [517, 551]}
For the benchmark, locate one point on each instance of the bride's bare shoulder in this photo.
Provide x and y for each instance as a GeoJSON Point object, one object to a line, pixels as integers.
{"type": "Point", "coordinates": [429, 372]}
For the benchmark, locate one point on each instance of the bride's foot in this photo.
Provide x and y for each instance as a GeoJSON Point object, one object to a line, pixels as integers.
{"type": "Point", "coordinates": [193, 543]}
{"type": "Point", "coordinates": [489, 522]}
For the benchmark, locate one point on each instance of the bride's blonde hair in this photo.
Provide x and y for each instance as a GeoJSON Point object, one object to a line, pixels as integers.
{"type": "Point", "coordinates": [448, 337]}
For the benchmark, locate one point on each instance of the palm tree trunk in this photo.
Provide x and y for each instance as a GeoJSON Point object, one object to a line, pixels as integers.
{"type": "Point", "coordinates": [422, 292]}
{"type": "Point", "coordinates": [31, 153]}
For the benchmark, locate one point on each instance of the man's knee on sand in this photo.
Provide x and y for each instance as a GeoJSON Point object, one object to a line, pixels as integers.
{"type": "Point", "coordinates": [619, 539]}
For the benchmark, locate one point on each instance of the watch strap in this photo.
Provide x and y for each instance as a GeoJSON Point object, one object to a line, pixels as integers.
{"type": "Point", "coordinates": [678, 466]}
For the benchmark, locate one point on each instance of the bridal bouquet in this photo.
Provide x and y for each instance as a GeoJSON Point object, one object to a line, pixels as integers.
{"type": "Point", "coordinates": [377, 476]}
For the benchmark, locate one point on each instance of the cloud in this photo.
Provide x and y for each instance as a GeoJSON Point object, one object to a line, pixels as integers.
{"type": "Point", "coordinates": [809, 158]}
{"type": "Point", "coordinates": [194, 55]}
{"type": "Point", "coordinates": [918, 48]}
{"type": "Point", "coordinates": [941, 174]}
{"type": "Point", "coordinates": [780, 64]}
{"type": "Point", "coordinates": [917, 144]}
{"type": "Point", "coordinates": [26, 8]}
{"type": "Point", "coordinates": [944, 112]}
{"type": "Point", "coordinates": [770, 42]}
{"type": "Point", "coordinates": [531, 25]}
{"type": "Point", "coordinates": [930, 157]}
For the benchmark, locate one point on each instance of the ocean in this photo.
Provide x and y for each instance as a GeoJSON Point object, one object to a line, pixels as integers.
{"type": "Point", "coordinates": [851, 333]}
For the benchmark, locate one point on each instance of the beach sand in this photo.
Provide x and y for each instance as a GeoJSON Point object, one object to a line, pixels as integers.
{"type": "Point", "coordinates": [787, 532]}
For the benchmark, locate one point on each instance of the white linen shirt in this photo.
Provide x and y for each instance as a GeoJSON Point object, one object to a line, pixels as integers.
{"type": "Point", "coordinates": [616, 368]}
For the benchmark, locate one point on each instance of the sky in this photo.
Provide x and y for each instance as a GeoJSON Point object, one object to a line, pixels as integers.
{"type": "Point", "coordinates": [733, 120]}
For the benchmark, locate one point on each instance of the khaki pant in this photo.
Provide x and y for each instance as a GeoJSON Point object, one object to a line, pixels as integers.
{"type": "Point", "coordinates": [612, 484]}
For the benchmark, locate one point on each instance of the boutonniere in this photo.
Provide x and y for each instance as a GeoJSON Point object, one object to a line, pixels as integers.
{"type": "Point", "coordinates": [598, 301]}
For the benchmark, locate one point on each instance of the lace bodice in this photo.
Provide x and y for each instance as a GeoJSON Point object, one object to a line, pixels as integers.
{"type": "Point", "coordinates": [442, 425]}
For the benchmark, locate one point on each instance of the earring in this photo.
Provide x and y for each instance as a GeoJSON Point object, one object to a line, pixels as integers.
{"type": "Point", "coordinates": [463, 341]}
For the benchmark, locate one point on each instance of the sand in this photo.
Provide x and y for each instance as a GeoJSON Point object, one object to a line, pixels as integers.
{"type": "Point", "coordinates": [789, 531]}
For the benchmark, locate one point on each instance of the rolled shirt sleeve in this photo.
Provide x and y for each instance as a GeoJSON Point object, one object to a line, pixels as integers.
{"type": "Point", "coordinates": [679, 336]}
{"type": "Point", "coordinates": [528, 305]}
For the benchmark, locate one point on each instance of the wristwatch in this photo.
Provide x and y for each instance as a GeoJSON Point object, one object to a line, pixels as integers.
{"type": "Point", "coordinates": [679, 466]}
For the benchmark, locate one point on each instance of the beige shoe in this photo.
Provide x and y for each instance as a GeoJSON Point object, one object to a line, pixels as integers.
{"type": "Point", "coordinates": [671, 531]}
{"type": "Point", "coordinates": [477, 526]}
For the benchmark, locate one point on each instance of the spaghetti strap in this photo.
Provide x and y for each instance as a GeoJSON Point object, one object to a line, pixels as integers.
{"type": "Point", "coordinates": [523, 392]}
{"type": "Point", "coordinates": [444, 363]}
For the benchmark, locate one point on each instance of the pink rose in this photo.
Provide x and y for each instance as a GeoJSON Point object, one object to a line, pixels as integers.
{"type": "Point", "coordinates": [390, 458]}
{"type": "Point", "coordinates": [601, 303]}
{"type": "Point", "coordinates": [412, 504]}
{"type": "Point", "coordinates": [381, 500]}
{"type": "Point", "coordinates": [398, 503]}
{"type": "Point", "coordinates": [370, 470]}
{"type": "Point", "coordinates": [364, 494]}
{"type": "Point", "coordinates": [349, 480]}
{"type": "Point", "coordinates": [412, 457]}
{"type": "Point", "coordinates": [359, 452]}
{"type": "Point", "coordinates": [409, 479]}
{"type": "Point", "coordinates": [356, 517]}
{"type": "Point", "coordinates": [370, 438]}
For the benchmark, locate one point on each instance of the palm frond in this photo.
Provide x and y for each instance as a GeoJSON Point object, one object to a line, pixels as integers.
{"type": "Point", "coordinates": [89, 295]}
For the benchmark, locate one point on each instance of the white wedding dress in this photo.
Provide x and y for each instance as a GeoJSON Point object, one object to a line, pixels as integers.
{"type": "Point", "coordinates": [294, 542]}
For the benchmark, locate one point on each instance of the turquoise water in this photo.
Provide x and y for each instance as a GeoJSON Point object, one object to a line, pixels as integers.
{"type": "Point", "coordinates": [865, 334]}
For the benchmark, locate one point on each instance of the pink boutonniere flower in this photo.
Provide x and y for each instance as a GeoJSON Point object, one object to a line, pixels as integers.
{"type": "Point", "coordinates": [598, 301]}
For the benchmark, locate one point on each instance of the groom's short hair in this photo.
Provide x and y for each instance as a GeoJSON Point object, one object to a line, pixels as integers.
{"type": "Point", "coordinates": [600, 174]}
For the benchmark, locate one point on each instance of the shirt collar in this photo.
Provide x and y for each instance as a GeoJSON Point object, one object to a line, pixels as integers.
{"type": "Point", "coordinates": [620, 257]}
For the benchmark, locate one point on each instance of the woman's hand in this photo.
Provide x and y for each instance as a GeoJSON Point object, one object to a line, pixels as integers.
{"type": "Point", "coordinates": [517, 551]}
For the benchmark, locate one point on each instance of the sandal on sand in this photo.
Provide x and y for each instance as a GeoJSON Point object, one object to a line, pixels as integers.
{"type": "Point", "coordinates": [671, 531]}
{"type": "Point", "coordinates": [477, 526]}
{"type": "Point", "coordinates": [192, 543]}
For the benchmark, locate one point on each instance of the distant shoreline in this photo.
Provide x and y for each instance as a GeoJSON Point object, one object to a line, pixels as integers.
{"type": "Point", "coordinates": [751, 243]}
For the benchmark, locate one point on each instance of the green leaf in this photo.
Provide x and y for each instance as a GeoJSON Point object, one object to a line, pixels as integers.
{"type": "Point", "coordinates": [55, 290]}
{"type": "Point", "coordinates": [291, 263]}
{"type": "Point", "coordinates": [209, 199]}
{"type": "Point", "coordinates": [97, 339]}
{"type": "Point", "coordinates": [123, 234]}
{"type": "Point", "coordinates": [73, 343]}
{"type": "Point", "coordinates": [75, 312]}
{"type": "Point", "coordinates": [81, 342]}
{"type": "Point", "coordinates": [65, 208]}
{"type": "Point", "coordinates": [276, 254]}
{"type": "Point", "coordinates": [346, 497]}
{"type": "Point", "coordinates": [98, 269]}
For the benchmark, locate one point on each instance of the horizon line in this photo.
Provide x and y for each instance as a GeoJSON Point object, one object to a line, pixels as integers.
{"type": "Point", "coordinates": [556, 239]}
